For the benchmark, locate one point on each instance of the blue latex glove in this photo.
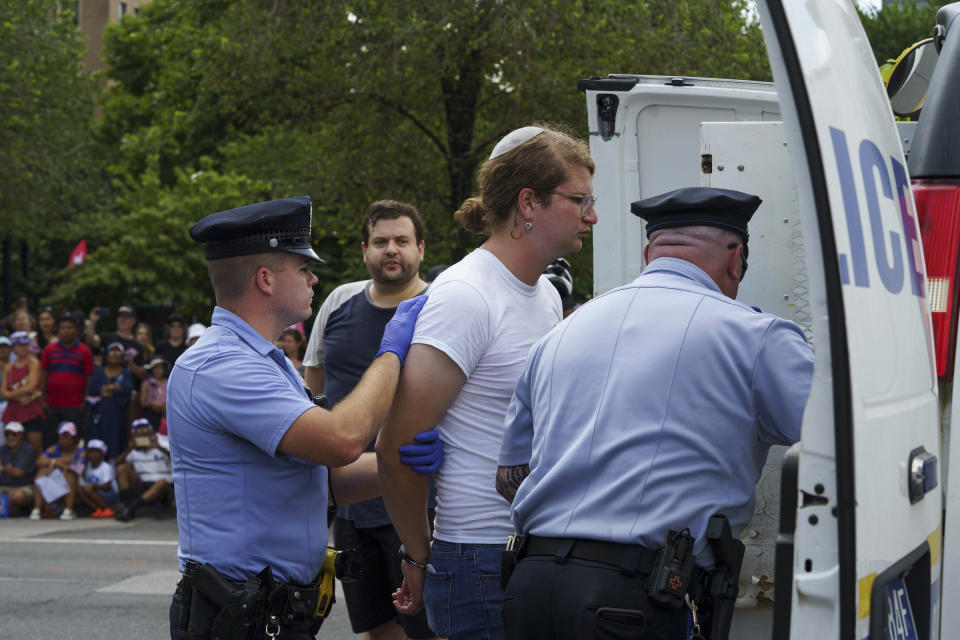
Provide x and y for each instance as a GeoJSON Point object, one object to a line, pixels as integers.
{"type": "Point", "coordinates": [399, 331]}
{"type": "Point", "coordinates": [426, 456]}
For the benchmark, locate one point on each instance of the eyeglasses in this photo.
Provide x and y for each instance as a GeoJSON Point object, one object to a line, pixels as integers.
{"type": "Point", "coordinates": [10, 434]}
{"type": "Point", "coordinates": [743, 258]}
{"type": "Point", "coordinates": [585, 200]}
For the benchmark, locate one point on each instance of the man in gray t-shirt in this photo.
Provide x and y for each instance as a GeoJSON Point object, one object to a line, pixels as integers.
{"type": "Point", "coordinates": [344, 341]}
{"type": "Point", "coordinates": [18, 466]}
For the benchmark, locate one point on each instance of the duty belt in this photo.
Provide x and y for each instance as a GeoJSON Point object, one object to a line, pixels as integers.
{"type": "Point", "coordinates": [631, 559]}
{"type": "Point", "coordinates": [290, 602]}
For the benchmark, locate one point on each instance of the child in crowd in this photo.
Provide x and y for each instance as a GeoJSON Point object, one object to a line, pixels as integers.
{"type": "Point", "coordinates": [143, 470]}
{"type": "Point", "coordinates": [98, 490]}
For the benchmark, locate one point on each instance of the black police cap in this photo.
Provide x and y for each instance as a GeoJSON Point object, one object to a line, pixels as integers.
{"type": "Point", "coordinates": [264, 227]}
{"type": "Point", "coordinates": [698, 206]}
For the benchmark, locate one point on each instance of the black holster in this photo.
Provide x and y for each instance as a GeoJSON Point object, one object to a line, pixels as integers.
{"type": "Point", "coordinates": [723, 583]}
{"type": "Point", "coordinates": [225, 609]}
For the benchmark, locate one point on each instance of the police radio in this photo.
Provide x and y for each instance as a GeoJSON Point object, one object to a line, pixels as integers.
{"type": "Point", "coordinates": [670, 577]}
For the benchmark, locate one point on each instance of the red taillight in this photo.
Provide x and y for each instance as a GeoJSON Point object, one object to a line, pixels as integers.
{"type": "Point", "coordinates": [938, 213]}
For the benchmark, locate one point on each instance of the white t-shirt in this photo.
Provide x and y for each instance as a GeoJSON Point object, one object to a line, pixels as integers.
{"type": "Point", "coordinates": [150, 465]}
{"type": "Point", "coordinates": [313, 357]}
{"type": "Point", "coordinates": [100, 474]}
{"type": "Point", "coordinates": [485, 320]}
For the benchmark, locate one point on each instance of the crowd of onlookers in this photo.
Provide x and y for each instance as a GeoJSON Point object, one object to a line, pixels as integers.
{"type": "Point", "coordinates": [82, 405]}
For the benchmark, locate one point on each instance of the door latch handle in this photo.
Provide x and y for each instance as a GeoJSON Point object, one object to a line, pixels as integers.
{"type": "Point", "coordinates": [922, 474]}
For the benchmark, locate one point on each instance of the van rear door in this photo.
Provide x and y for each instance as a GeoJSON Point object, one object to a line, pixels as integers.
{"type": "Point", "coordinates": [858, 555]}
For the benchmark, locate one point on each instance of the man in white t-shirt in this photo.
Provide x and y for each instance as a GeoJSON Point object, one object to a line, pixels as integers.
{"type": "Point", "coordinates": [471, 340]}
{"type": "Point", "coordinates": [143, 470]}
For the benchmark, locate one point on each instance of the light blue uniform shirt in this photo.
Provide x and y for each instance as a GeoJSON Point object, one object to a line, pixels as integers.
{"type": "Point", "coordinates": [652, 408]}
{"type": "Point", "coordinates": [241, 505]}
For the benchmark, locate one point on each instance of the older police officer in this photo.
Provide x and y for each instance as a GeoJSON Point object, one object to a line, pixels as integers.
{"type": "Point", "coordinates": [250, 451]}
{"type": "Point", "coordinates": [646, 412]}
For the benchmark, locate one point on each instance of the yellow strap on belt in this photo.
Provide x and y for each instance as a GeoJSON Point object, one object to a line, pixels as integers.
{"type": "Point", "coordinates": [325, 583]}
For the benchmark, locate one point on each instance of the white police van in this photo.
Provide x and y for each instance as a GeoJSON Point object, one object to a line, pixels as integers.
{"type": "Point", "coordinates": [847, 539]}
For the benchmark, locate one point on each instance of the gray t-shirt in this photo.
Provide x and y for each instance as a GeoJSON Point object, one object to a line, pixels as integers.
{"type": "Point", "coordinates": [24, 458]}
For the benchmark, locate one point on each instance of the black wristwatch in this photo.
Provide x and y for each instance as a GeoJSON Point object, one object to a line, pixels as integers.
{"type": "Point", "coordinates": [406, 558]}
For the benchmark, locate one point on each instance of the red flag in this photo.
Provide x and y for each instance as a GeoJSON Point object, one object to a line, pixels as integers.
{"type": "Point", "coordinates": [79, 253]}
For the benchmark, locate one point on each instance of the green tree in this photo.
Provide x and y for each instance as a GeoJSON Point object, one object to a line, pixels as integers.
{"type": "Point", "coordinates": [146, 256]}
{"type": "Point", "coordinates": [358, 101]}
{"type": "Point", "coordinates": [48, 160]}
{"type": "Point", "coordinates": [895, 26]}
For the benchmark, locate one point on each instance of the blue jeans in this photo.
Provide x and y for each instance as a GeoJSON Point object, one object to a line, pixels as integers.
{"type": "Point", "coordinates": [462, 592]}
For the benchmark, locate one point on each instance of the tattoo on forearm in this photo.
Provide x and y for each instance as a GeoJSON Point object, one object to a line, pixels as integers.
{"type": "Point", "coordinates": [509, 479]}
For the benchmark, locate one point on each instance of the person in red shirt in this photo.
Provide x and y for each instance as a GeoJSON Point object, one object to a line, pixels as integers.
{"type": "Point", "coordinates": [67, 365]}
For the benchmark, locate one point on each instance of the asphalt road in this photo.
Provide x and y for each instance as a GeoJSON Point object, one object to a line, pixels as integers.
{"type": "Point", "coordinates": [92, 579]}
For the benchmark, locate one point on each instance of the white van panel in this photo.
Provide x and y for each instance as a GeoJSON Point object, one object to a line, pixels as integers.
{"type": "Point", "coordinates": [752, 157]}
{"type": "Point", "coordinates": [820, 57]}
{"type": "Point", "coordinates": [656, 148]}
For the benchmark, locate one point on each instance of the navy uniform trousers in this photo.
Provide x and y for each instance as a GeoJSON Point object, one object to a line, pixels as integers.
{"type": "Point", "coordinates": [546, 600]}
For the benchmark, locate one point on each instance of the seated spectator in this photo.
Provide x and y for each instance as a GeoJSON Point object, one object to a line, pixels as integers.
{"type": "Point", "coordinates": [126, 321]}
{"type": "Point", "coordinates": [174, 341]}
{"type": "Point", "coordinates": [67, 458]}
{"type": "Point", "coordinates": [144, 336]}
{"type": "Point", "coordinates": [110, 391]}
{"type": "Point", "coordinates": [20, 388]}
{"type": "Point", "coordinates": [19, 466]}
{"type": "Point", "coordinates": [98, 488]}
{"type": "Point", "coordinates": [194, 332]}
{"type": "Point", "coordinates": [153, 392]}
{"type": "Point", "coordinates": [143, 471]}
{"type": "Point", "coordinates": [46, 328]}
{"type": "Point", "coordinates": [67, 365]}
{"type": "Point", "coordinates": [292, 345]}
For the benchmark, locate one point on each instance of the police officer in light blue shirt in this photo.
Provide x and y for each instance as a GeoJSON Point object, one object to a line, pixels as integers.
{"type": "Point", "coordinates": [252, 455]}
{"type": "Point", "coordinates": [647, 411]}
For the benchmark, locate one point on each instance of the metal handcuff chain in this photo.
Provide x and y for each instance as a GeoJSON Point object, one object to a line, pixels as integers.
{"type": "Point", "coordinates": [695, 627]}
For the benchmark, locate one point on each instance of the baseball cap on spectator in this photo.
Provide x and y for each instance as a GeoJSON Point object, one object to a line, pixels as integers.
{"type": "Point", "coordinates": [176, 317]}
{"type": "Point", "coordinates": [20, 337]}
{"type": "Point", "coordinates": [141, 422]}
{"type": "Point", "coordinates": [126, 310]}
{"type": "Point", "coordinates": [115, 345]}
{"type": "Point", "coordinates": [70, 316]}
{"type": "Point", "coordinates": [68, 428]}
{"type": "Point", "coordinates": [196, 330]}
{"type": "Point", "coordinates": [97, 443]}
{"type": "Point", "coordinates": [5, 341]}
{"type": "Point", "coordinates": [155, 362]}
{"type": "Point", "coordinates": [15, 427]}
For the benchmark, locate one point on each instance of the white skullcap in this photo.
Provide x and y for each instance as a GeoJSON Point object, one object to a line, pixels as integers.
{"type": "Point", "coordinates": [514, 139]}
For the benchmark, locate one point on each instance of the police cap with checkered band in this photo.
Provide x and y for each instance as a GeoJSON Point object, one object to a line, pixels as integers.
{"type": "Point", "coordinates": [264, 227]}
